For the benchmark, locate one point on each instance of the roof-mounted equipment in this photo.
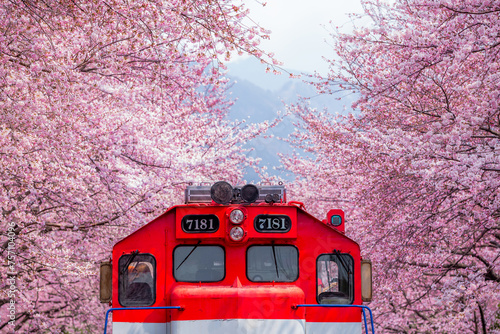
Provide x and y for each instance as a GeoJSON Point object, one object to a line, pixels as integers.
{"type": "Point", "coordinates": [223, 193]}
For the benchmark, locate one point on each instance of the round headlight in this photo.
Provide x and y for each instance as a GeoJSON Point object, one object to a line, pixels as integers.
{"type": "Point", "coordinates": [236, 233]}
{"type": "Point", "coordinates": [250, 193]}
{"type": "Point", "coordinates": [236, 216]}
{"type": "Point", "coordinates": [221, 192]}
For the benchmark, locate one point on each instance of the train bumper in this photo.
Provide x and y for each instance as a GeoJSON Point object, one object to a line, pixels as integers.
{"type": "Point", "coordinates": [237, 309]}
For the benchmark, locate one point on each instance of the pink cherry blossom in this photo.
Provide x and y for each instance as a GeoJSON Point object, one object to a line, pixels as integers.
{"type": "Point", "coordinates": [416, 168]}
{"type": "Point", "coordinates": [108, 109]}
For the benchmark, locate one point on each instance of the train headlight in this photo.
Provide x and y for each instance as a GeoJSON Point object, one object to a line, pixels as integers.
{"type": "Point", "coordinates": [249, 193]}
{"type": "Point", "coordinates": [236, 233]}
{"type": "Point", "coordinates": [221, 192]}
{"type": "Point", "coordinates": [236, 216]}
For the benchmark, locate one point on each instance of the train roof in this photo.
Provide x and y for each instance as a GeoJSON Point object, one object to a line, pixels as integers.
{"type": "Point", "coordinates": [248, 196]}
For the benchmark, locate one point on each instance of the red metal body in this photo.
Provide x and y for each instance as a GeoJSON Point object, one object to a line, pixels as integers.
{"type": "Point", "coordinates": [235, 303]}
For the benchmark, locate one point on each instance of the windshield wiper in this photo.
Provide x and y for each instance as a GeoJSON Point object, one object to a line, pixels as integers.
{"type": "Point", "coordinates": [341, 260]}
{"type": "Point", "coordinates": [275, 262]}
{"type": "Point", "coordinates": [187, 257]}
{"type": "Point", "coordinates": [134, 253]}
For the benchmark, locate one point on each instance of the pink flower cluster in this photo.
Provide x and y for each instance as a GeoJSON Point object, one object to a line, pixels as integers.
{"type": "Point", "coordinates": [417, 166]}
{"type": "Point", "coordinates": [107, 110]}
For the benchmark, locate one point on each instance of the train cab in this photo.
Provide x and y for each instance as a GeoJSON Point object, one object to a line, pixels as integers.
{"type": "Point", "coordinates": [237, 260]}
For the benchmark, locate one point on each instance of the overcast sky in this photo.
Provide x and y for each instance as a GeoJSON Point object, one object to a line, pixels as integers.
{"type": "Point", "coordinates": [300, 29]}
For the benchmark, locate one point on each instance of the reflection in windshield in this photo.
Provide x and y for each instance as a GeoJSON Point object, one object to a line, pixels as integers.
{"type": "Point", "coordinates": [199, 263]}
{"type": "Point", "coordinates": [136, 280]}
{"type": "Point", "coordinates": [274, 263]}
{"type": "Point", "coordinates": [335, 278]}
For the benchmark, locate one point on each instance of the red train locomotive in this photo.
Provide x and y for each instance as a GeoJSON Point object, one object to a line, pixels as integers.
{"type": "Point", "coordinates": [238, 260]}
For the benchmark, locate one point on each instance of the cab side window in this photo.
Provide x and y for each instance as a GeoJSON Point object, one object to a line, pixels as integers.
{"type": "Point", "coordinates": [335, 278]}
{"type": "Point", "coordinates": [137, 280]}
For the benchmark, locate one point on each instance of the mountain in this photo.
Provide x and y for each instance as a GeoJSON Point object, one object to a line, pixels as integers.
{"type": "Point", "coordinates": [259, 96]}
{"type": "Point", "coordinates": [254, 105]}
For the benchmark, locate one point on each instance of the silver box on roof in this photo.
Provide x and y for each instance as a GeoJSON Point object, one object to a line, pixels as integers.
{"type": "Point", "coordinates": [197, 194]}
{"type": "Point", "coordinates": [201, 194]}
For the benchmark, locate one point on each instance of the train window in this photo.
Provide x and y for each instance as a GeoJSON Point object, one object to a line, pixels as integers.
{"type": "Point", "coordinates": [335, 279]}
{"type": "Point", "coordinates": [199, 263]}
{"type": "Point", "coordinates": [272, 263]}
{"type": "Point", "coordinates": [137, 280]}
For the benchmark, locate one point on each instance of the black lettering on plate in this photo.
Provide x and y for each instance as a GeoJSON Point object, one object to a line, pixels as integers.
{"type": "Point", "coordinates": [200, 223]}
{"type": "Point", "coordinates": [272, 223]}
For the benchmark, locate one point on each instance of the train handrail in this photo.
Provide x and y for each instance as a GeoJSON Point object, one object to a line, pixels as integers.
{"type": "Point", "coordinates": [180, 308]}
{"type": "Point", "coordinates": [362, 307]}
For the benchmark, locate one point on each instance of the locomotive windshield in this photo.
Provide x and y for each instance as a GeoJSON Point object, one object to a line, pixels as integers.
{"type": "Point", "coordinates": [274, 263]}
{"type": "Point", "coordinates": [199, 263]}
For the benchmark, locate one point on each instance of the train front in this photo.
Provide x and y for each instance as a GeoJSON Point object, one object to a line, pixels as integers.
{"type": "Point", "coordinates": [237, 260]}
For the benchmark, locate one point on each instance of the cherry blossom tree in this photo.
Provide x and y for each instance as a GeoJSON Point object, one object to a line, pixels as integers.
{"type": "Point", "coordinates": [417, 166]}
{"type": "Point", "coordinates": [107, 110]}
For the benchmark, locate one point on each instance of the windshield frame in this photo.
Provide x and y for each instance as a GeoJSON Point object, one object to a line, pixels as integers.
{"type": "Point", "coordinates": [124, 284]}
{"type": "Point", "coordinates": [345, 263]}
